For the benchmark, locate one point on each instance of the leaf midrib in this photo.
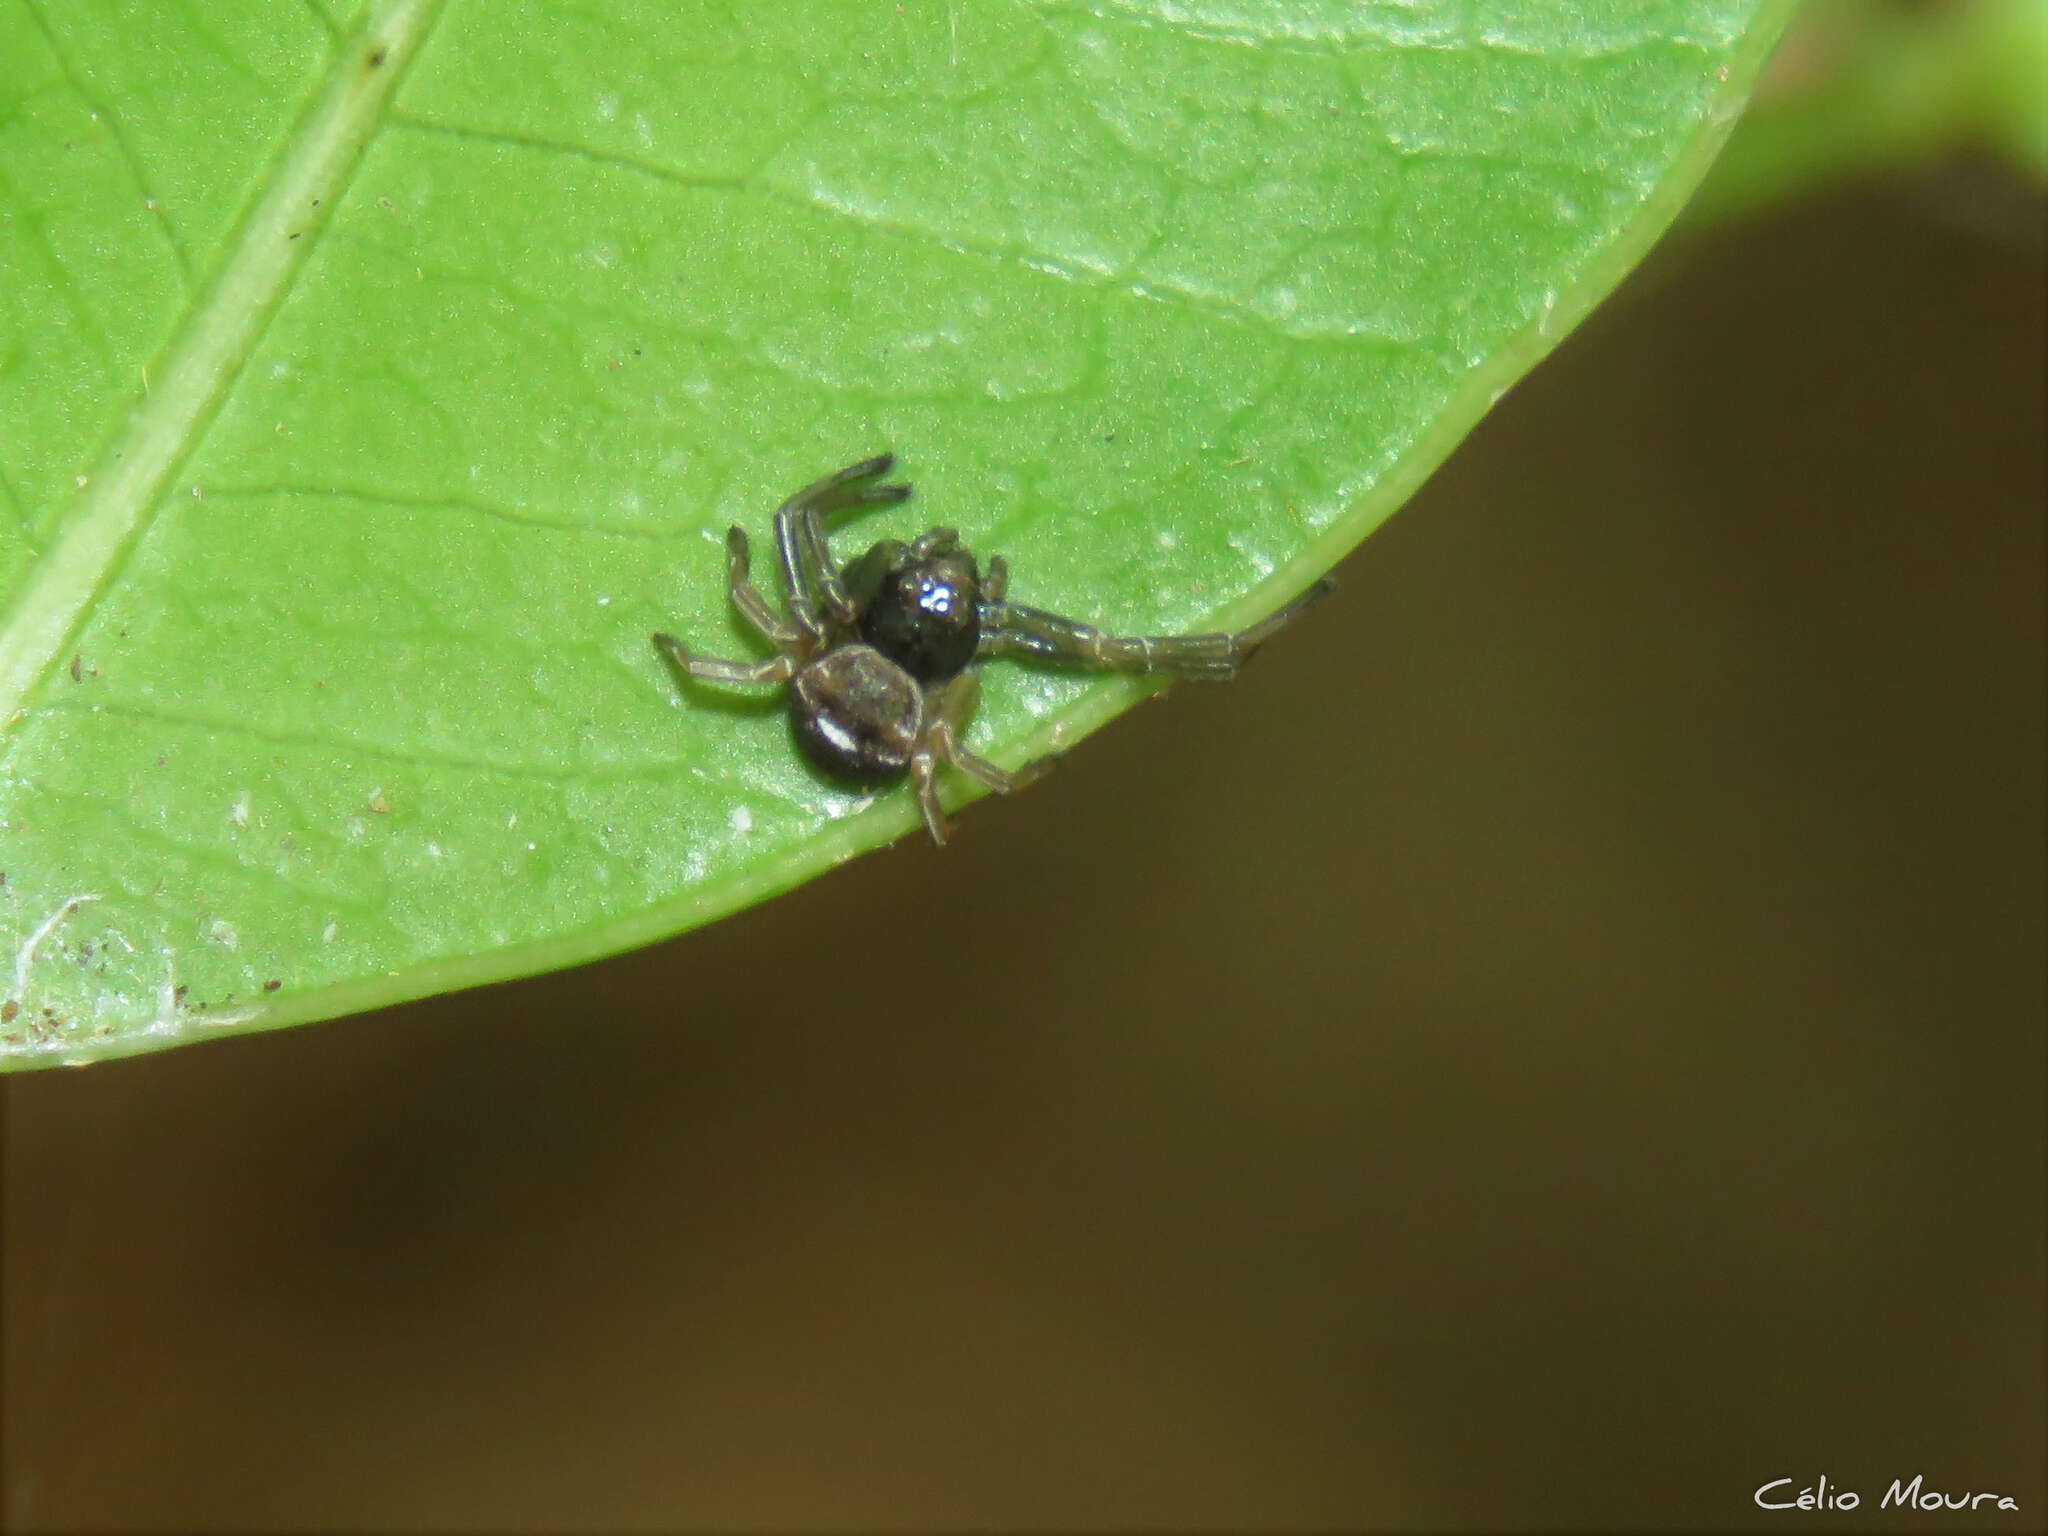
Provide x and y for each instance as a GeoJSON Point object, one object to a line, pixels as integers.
{"type": "Point", "coordinates": [198, 366]}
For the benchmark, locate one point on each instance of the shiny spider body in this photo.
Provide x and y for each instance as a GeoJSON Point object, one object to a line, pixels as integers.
{"type": "Point", "coordinates": [882, 656]}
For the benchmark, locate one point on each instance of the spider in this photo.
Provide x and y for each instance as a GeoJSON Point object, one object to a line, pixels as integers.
{"type": "Point", "coordinates": [882, 656]}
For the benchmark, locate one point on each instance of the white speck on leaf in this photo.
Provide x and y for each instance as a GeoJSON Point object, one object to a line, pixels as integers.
{"type": "Point", "coordinates": [25, 956]}
{"type": "Point", "coordinates": [227, 1018]}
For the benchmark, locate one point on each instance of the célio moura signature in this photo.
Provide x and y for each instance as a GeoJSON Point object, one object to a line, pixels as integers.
{"type": "Point", "coordinates": [1901, 1495]}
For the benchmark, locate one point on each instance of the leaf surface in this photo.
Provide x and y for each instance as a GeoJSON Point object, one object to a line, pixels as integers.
{"type": "Point", "coordinates": [374, 381]}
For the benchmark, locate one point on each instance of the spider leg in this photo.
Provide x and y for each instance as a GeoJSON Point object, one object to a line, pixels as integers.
{"type": "Point", "coordinates": [714, 669]}
{"type": "Point", "coordinates": [796, 585]}
{"type": "Point", "coordinates": [747, 598]}
{"type": "Point", "coordinates": [1252, 636]}
{"type": "Point", "coordinates": [949, 719]}
{"type": "Point", "coordinates": [996, 580]}
{"type": "Point", "coordinates": [808, 574]}
{"type": "Point", "coordinates": [941, 743]}
{"type": "Point", "coordinates": [1011, 629]}
{"type": "Point", "coordinates": [924, 781]}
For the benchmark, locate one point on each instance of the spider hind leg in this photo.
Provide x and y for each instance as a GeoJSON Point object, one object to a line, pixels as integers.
{"type": "Point", "coordinates": [716, 669]}
{"type": "Point", "coordinates": [941, 743]}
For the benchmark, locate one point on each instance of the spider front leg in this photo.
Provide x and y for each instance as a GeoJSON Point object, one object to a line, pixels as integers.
{"type": "Point", "coordinates": [941, 743]}
{"type": "Point", "coordinates": [1013, 629]}
{"type": "Point", "coordinates": [808, 574]}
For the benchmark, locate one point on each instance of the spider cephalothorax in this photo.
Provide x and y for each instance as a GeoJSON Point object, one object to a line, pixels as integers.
{"type": "Point", "coordinates": [880, 657]}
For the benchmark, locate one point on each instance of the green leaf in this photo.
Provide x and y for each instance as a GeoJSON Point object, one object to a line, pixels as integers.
{"type": "Point", "coordinates": [1876, 86]}
{"type": "Point", "coordinates": [373, 383]}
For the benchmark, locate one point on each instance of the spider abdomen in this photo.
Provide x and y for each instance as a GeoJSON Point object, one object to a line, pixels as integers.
{"type": "Point", "coordinates": [856, 714]}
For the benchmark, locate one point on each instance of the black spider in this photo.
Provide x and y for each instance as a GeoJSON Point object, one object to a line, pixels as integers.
{"type": "Point", "coordinates": [881, 657]}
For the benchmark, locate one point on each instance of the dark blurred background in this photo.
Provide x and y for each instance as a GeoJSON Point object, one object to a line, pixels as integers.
{"type": "Point", "coordinates": [1558, 1044]}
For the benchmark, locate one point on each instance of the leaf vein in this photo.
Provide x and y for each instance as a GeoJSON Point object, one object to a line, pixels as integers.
{"type": "Point", "coordinates": [402, 119]}
{"type": "Point", "coordinates": [398, 502]}
{"type": "Point", "coordinates": [207, 352]}
{"type": "Point", "coordinates": [157, 207]}
{"type": "Point", "coordinates": [15, 509]}
{"type": "Point", "coordinates": [331, 743]}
